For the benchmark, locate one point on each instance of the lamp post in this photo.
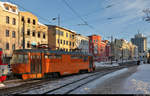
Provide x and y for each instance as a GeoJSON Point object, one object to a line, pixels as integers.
{"type": "Point", "coordinates": [122, 55]}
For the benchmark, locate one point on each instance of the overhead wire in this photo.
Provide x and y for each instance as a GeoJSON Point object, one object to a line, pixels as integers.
{"type": "Point", "coordinates": [76, 13]}
{"type": "Point", "coordinates": [44, 19]}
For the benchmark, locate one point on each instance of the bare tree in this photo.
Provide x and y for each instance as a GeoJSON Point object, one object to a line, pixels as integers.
{"type": "Point", "coordinates": [147, 13]}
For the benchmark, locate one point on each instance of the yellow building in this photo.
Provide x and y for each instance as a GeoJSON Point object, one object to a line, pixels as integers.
{"type": "Point", "coordinates": [8, 28]}
{"type": "Point", "coordinates": [61, 38]}
{"type": "Point", "coordinates": [35, 32]}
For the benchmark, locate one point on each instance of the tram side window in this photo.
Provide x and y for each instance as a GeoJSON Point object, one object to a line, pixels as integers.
{"type": "Point", "coordinates": [53, 56]}
{"type": "Point", "coordinates": [85, 58]}
{"type": "Point", "coordinates": [76, 57]}
{"type": "Point", "coordinates": [19, 58]}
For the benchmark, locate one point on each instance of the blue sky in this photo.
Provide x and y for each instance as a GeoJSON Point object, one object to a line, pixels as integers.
{"type": "Point", "coordinates": [119, 18]}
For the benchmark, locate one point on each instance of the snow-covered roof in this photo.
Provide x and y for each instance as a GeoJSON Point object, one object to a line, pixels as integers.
{"type": "Point", "coordinates": [2, 5]}
{"type": "Point", "coordinates": [41, 24]}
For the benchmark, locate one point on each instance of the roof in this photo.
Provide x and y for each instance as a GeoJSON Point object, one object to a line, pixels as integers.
{"type": "Point", "coordinates": [41, 24]}
{"type": "Point", "coordinates": [2, 5]}
{"type": "Point", "coordinates": [50, 51]}
{"type": "Point", "coordinates": [61, 28]}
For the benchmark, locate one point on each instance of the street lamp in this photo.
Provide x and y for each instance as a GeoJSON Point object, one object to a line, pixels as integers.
{"type": "Point", "coordinates": [121, 53]}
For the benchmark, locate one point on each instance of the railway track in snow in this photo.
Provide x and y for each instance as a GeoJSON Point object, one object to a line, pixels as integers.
{"type": "Point", "coordinates": [26, 88]}
{"type": "Point", "coordinates": [70, 87]}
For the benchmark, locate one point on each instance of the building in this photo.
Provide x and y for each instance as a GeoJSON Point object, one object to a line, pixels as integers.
{"type": "Point", "coordinates": [103, 51]}
{"type": "Point", "coordinates": [82, 43]}
{"type": "Point", "coordinates": [148, 56]}
{"type": "Point", "coordinates": [35, 33]}
{"type": "Point", "coordinates": [140, 41]}
{"type": "Point", "coordinates": [60, 38]}
{"type": "Point", "coordinates": [9, 21]}
{"type": "Point", "coordinates": [124, 50]}
{"type": "Point", "coordinates": [94, 46]}
{"type": "Point", "coordinates": [108, 50]}
{"type": "Point", "coordinates": [133, 49]}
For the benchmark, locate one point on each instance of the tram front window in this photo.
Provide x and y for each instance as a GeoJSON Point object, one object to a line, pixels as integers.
{"type": "Point", "coordinates": [19, 58]}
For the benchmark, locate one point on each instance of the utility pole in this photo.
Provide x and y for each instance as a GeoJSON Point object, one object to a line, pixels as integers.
{"type": "Point", "coordinates": [111, 48]}
{"type": "Point", "coordinates": [59, 31]}
{"type": "Point", "coordinates": [122, 55]}
{"type": "Point", "coordinates": [23, 31]}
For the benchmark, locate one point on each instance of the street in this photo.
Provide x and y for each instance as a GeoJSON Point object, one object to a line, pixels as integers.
{"type": "Point", "coordinates": [136, 80]}
{"type": "Point", "coordinates": [132, 80]}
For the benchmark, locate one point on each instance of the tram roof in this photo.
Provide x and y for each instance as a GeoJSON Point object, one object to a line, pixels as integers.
{"type": "Point", "coordinates": [51, 51]}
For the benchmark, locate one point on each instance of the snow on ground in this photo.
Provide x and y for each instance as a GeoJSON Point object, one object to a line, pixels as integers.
{"type": "Point", "coordinates": [87, 88]}
{"type": "Point", "coordinates": [55, 84]}
{"type": "Point", "coordinates": [106, 64]}
{"type": "Point", "coordinates": [132, 80]}
{"type": "Point", "coordinates": [2, 85]}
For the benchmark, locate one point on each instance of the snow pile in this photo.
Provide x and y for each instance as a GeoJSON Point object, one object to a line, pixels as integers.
{"type": "Point", "coordinates": [142, 86]}
{"type": "Point", "coordinates": [2, 5]}
{"type": "Point", "coordinates": [105, 64]}
{"type": "Point", "coordinates": [2, 85]}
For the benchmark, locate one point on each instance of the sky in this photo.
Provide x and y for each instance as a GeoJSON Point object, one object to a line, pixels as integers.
{"type": "Point", "coordinates": [117, 18]}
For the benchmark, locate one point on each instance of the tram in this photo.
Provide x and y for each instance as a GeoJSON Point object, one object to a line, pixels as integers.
{"type": "Point", "coordinates": [41, 63]}
{"type": "Point", "coordinates": [3, 67]}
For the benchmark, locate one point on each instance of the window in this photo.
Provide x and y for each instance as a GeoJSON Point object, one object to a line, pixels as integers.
{"type": "Point", "coordinates": [62, 33]}
{"type": "Point", "coordinates": [73, 44]}
{"type": "Point", "coordinates": [70, 35]}
{"type": "Point", "coordinates": [76, 57]}
{"type": "Point", "coordinates": [7, 8]}
{"type": "Point", "coordinates": [14, 21]}
{"type": "Point", "coordinates": [39, 34]}
{"type": "Point", "coordinates": [61, 41]}
{"type": "Point", "coordinates": [19, 58]}
{"type": "Point", "coordinates": [64, 42]}
{"type": "Point", "coordinates": [33, 33]}
{"type": "Point", "coordinates": [28, 44]}
{"type": "Point", "coordinates": [14, 10]}
{"type": "Point", "coordinates": [85, 58]}
{"type": "Point", "coordinates": [7, 46]}
{"type": "Point", "coordinates": [57, 32]}
{"type": "Point", "coordinates": [66, 34]}
{"type": "Point", "coordinates": [58, 56]}
{"type": "Point", "coordinates": [70, 43]}
{"type": "Point", "coordinates": [7, 33]}
{"type": "Point", "coordinates": [53, 56]}
{"type": "Point", "coordinates": [58, 41]}
{"type": "Point", "coordinates": [44, 35]}
{"type": "Point", "coordinates": [22, 19]}
{"type": "Point", "coordinates": [13, 34]}
{"type": "Point", "coordinates": [28, 32]}
{"type": "Point", "coordinates": [7, 19]}
{"type": "Point", "coordinates": [28, 20]}
{"type": "Point", "coordinates": [13, 47]}
{"type": "Point", "coordinates": [33, 22]}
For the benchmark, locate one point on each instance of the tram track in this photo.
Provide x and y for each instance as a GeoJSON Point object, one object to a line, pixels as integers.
{"type": "Point", "coordinates": [78, 83]}
{"type": "Point", "coordinates": [89, 76]}
{"type": "Point", "coordinates": [37, 85]}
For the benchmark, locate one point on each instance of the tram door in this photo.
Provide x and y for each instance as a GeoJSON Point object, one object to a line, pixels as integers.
{"type": "Point", "coordinates": [36, 63]}
{"type": "Point", "coordinates": [91, 62]}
